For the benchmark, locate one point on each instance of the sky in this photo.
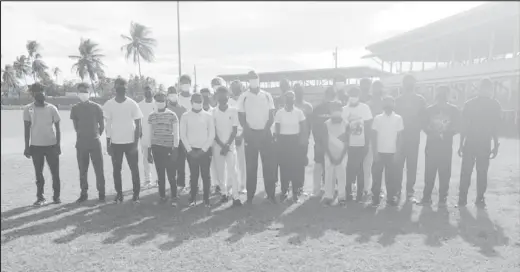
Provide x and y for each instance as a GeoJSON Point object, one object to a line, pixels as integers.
{"type": "Point", "coordinates": [216, 37]}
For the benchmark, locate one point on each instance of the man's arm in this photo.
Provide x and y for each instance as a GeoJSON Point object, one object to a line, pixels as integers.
{"type": "Point", "coordinates": [27, 128]}
{"type": "Point", "coordinates": [242, 112]}
{"type": "Point", "coordinates": [100, 120]}
{"type": "Point", "coordinates": [74, 118]}
{"type": "Point", "coordinates": [272, 111]}
{"type": "Point", "coordinates": [497, 123]}
{"type": "Point", "coordinates": [367, 126]}
{"type": "Point", "coordinates": [56, 120]}
{"type": "Point", "coordinates": [137, 114]}
{"type": "Point", "coordinates": [464, 123]}
{"type": "Point", "coordinates": [175, 126]}
{"type": "Point", "coordinates": [374, 136]}
{"type": "Point", "coordinates": [108, 119]}
{"type": "Point", "coordinates": [183, 132]}
{"type": "Point", "coordinates": [399, 141]}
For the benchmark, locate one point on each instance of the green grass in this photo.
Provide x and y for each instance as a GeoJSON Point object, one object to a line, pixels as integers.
{"type": "Point", "coordinates": [304, 237]}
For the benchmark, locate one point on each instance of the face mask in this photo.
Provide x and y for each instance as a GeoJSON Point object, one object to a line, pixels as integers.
{"type": "Point", "coordinates": [254, 83]}
{"type": "Point", "coordinates": [83, 96]}
{"type": "Point", "coordinates": [173, 98]}
{"type": "Point", "coordinates": [388, 109]}
{"type": "Point", "coordinates": [160, 105]}
{"type": "Point", "coordinates": [353, 100]}
{"type": "Point", "coordinates": [196, 106]}
{"type": "Point", "coordinates": [185, 87]}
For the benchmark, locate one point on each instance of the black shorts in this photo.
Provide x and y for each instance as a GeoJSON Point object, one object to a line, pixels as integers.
{"type": "Point", "coordinates": [319, 155]}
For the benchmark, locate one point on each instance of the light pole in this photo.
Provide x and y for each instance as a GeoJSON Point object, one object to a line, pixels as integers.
{"type": "Point", "coordinates": [179, 38]}
{"type": "Point", "coordinates": [335, 54]}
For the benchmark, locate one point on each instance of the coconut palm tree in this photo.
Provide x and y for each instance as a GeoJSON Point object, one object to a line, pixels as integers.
{"type": "Point", "coordinates": [140, 44]}
{"type": "Point", "coordinates": [9, 78]}
{"type": "Point", "coordinates": [22, 67]}
{"type": "Point", "coordinates": [56, 71]}
{"type": "Point", "coordinates": [88, 61]}
{"type": "Point", "coordinates": [33, 47]}
{"type": "Point", "coordinates": [39, 68]}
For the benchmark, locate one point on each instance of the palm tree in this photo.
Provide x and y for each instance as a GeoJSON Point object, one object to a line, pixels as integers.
{"type": "Point", "coordinates": [9, 78]}
{"type": "Point", "coordinates": [33, 47]}
{"type": "Point", "coordinates": [140, 44]}
{"type": "Point", "coordinates": [56, 71]}
{"type": "Point", "coordinates": [39, 68]}
{"type": "Point", "coordinates": [22, 67]}
{"type": "Point", "coordinates": [88, 62]}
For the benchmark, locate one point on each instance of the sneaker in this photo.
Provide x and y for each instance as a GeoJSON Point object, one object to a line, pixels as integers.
{"type": "Point", "coordinates": [56, 200]}
{"type": "Point", "coordinates": [375, 204]}
{"type": "Point", "coordinates": [462, 203]}
{"type": "Point", "coordinates": [249, 201]}
{"type": "Point", "coordinates": [243, 192]}
{"type": "Point", "coordinates": [207, 203]}
{"type": "Point", "coordinates": [163, 200]}
{"type": "Point", "coordinates": [283, 198]}
{"type": "Point", "coordinates": [118, 199]}
{"type": "Point", "coordinates": [327, 202]}
{"type": "Point", "coordinates": [411, 199]}
{"type": "Point", "coordinates": [82, 199]}
{"type": "Point", "coordinates": [192, 202]}
{"type": "Point", "coordinates": [296, 199]}
{"type": "Point", "coordinates": [425, 202]}
{"type": "Point", "coordinates": [480, 203]}
{"type": "Point", "coordinates": [224, 199]}
{"type": "Point", "coordinates": [174, 204]}
{"type": "Point", "coordinates": [236, 203]}
{"type": "Point", "coordinates": [40, 202]}
{"type": "Point", "coordinates": [136, 200]}
{"type": "Point", "coordinates": [342, 202]}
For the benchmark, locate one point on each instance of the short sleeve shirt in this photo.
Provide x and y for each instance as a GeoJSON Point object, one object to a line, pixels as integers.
{"type": "Point", "coordinates": [42, 123]}
{"type": "Point", "coordinates": [224, 122]}
{"type": "Point", "coordinates": [87, 116]}
{"type": "Point", "coordinates": [355, 117]}
{"type": "Point", "coordinates": [163, 127]}
{"type": "Point", "coordinates": [387, 128]}
{"type": "Point", "coordinates": [122, 117]}
{"type": "Point", "coordinates": [481, 118]}
{"type": "Point", "coordinates": [289, 121]}
{"type": "Point", "coordinates": [257, 108]}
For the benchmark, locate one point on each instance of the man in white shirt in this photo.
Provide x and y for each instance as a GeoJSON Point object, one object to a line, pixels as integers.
{"type": "Point", "coordinates": [224, 151]}
{"type": "Point", "coordinates": [123, 130]}
{"type": "Point", "coordinates": [256, 115]}
{"type": "Point", "coordinates": [236, 90]}
{"type": "Point", "coordinates": [147, 106]}
{"type": "Point", "coordinates": [291, 136]}
{"type": "Point", "coordinates": [198, 134]}
{"type": "Point", "coordinates": [359, 118]}
{"type": "Point", "coordinates": [386, 145]}
{"type": "Point", "coordinates": [185, 95]}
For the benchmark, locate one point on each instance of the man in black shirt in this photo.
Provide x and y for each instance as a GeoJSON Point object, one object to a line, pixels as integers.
{"type": "Point", "coordinates": [481, 119]}
{"type": "Point", "coordinates": [441, 124]}
{"type": "Point", "coordinates": [285, 86]}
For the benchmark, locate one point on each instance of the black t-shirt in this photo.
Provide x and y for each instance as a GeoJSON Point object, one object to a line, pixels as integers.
{"type": "Point", "coordinates": [441, 124]}
{"type": "Point", "coordinates": [481, 119]}
{"type": "Point", "coordinates": [320, 114]}
{"type": "Point", "coordinates": [87, 116]}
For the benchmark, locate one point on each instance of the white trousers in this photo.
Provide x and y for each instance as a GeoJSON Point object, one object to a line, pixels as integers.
{"type": "Point", "coordinates": [335, 173]}
{"type": "Point", "coordinates": [241, 165]}
{"type": "Point", "coordinates": [226, 175]}
{"type": "Point", "coordinates": [367, 169]}
{"type": "Point", "coordinates": [317, 178]}
{"type": "Point", "coordinates": [146, 166]}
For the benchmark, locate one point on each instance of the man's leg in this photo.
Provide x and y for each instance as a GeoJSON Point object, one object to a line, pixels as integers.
{"type": "Point", "coordinates": [96, 154]}
{"type": "Point", "coordinates": [251, 152]}
{"type": "Point", "coordinates": [411, 167]}
{"type": "Point", "coordinates": [377, 176]}
{"type": "Point", "coordinates": [117, 163]}
{"type": "Point", "coordinates": [341, 176]}
{"type": "Point", "coordinates": [398, 170]}
{"type": "Point", "coordinates": [132, 157]}
{"type": "Point", "coordinates": [468, 162]}
{"type": "Point", "coordinates": [146, 165]}
{"type": "Point", "coordinates": [83, 158]}
{"type": "Point", "coordinates": [482, 166]}
{"type": "Point", "coordinates": [205, 164]}
{"type": "Point", "coordinates": [330, 179]}
{"type": "Point", "coordinates": [53, 160]}
{"type": "Point", "coordinates": [444, 165]}
{"type": "Point", "coordinates": [171, 172]}
{"type": "Point", "coordinates": [194, 178]}
{"type": "Point", "coordinates": [367, 170]}
{"type": "Point", "coordinates": [180, 166]}
{"type": "Point", "coordinates": [317, 176]}
{"type": "Point", "coordinates": [241, 163]}
{"type": "Point", "coordinates": [38, 159]}
{"type": "Point", "coordinates": [352, 170]}
{"type": "Point", "coordinates": [267, 153]}
{"type": "Point", "coordinates": [430, 173]}
{"type": "Point", "coordinates": [232, 173]}
{"type": "Point", "coordinates": [218, 163]}
{"type": "Point", "coordinates": [160, 160]}
{"type": "Point", "coordinates": [389, 166]}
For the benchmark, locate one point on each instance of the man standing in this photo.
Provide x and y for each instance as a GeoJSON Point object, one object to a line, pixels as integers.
{"type": "Point", "coordinates": [180, 162]}
{"type": "Point", "coordinates": [198, 134]}
{"type": "Point", "coordinates": [236, 90]}
{"type": "Point", "coordinates": [359, 118]}
{"type": "Point", "coordinates": [256, 115]}
{"type": "Point", "coordinates": [42, 141]}
{"type": "Point", "coordinates": [376, 107]}
{"type": "Point", "coordinates": [147, 106]}
{"type": "Point", "coordinates": [320, 115]}
{"type": "Point", "coordinates": [87, 117]}
{"type": "Point", "coordinates": [123, 131]}
{"type": "Point", "coordinates": [306, 107]}
{"type": "Point", "coordinates": [441, 124]}
{"type": "Point", "coordinates": [410, 106]}
{"type": "Point", "coordinates": [364, 86]}
{"type": "Point", "coordinates": [481, 118]}
{"type": "Point", "coordinates": [206, 99]}
{"type": "Point", "coordinates": [340, 86]}
{"type": "Point", "coordinates": [185, 94]}
{"type": "Point", "coordinates": [285, 86]}
{"type": "Point", "coordinates": [215, 83]}
{"type": "Point", "coordinates": [224, 151]}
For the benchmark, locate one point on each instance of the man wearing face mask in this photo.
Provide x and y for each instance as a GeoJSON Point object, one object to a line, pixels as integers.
{"type": "Point", "coordinates": [215, 83]}
{"type": "Point", "coordinates": [185, 93]}
{"type": "Point", "coordinates": [206, 106]}
{"type": "Point", "coordinates": [206, 99]}
{"type": "Point", "coordinates": [123, 130]}
{"type": "Point", "coordinates": [256, 115]}
{"type": "Point", "coordinates": [387, 142]}
{"type": "Point", "coordinates": [180, 163]}
{"type": "Point", "coordinates": [411, 107]}
{"type": "Point", "coordinates": [285, 86]}
{"type": "Point", "coordinates": [307, 109]}
{"type": "Point", "coordinates": [340, 83]}
{"type": "Point", "coordinates": [42, 141]}
{"type": "Point", "coordinates": [89, 124]}
{"type": "Point", "coordinates": [147, 106]}
{"type": "Point", "coordinates": [359, 118]}
{"type": "Point", "coordinates": [376, 107]}
{"type": "Point", "coordinates": [441, 124]}
{"type": "Point", "coordinates": [198, 134]}
{"type": "Point", "coordinates": [236, 90]}
{"type": "Point", "coordinates": [481, 118]}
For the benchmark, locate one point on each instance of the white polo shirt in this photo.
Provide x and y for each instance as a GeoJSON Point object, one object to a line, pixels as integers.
{"type": "Point", "coordinates": [387, 128]}
{"type": "Point", "coordinates": [234, 104]}
{"type": "Point", "coordinates": [224, 122]}
{"type": "Point", "coordinates": [289, 120]}
{"type": "Point", "coordinates": [146, 110]}
{"type": "Point", "coordinates": [121, 119]}
{"type": "Point", "coordinates": [256, 107]}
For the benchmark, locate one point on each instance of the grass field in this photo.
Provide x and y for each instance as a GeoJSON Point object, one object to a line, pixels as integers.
{"type": "Point", "coordinates": [303, 237]}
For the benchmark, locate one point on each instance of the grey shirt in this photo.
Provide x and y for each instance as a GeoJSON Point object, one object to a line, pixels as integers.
{"type": "Point", "coordinates": [87, 116]}
{"type": "Point", "coordinates": [42, 121]}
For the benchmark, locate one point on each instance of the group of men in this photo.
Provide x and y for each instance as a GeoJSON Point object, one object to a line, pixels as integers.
{"type": "Point", "coordinates": [358, 133]}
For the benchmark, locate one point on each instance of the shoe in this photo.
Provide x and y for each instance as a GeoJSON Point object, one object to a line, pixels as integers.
{"type": "Point", "coordinates": [163, 200]}
{"type": "Point", "coordinates": [249, 201]}
{"type": "Point", "coordinates": [327, 202]}
{"type": "Point", "coordinates": [392, 203]}
{"type": "Point", "coordinates": [101, 199]}
{"type": "Point", "coordinates": [283, 198]}
{"type": "Point", "coordinates": [217, 189]}
{"type": "Point", "coordinates": [342, 202]}
{"type": "Point", "coordinates": [174, 203]}
{"type": "Point", "coordinates": [56, 200]}
{"type": "Point", "coordinates": [462, 203]}
{"type": "Point", "coordinates": [425, 202]}
{"type": "Point", "coordinates": [136, 200]}
{"type": "Point", "coordinates": [82, 199]}
{"type": "Point", "coordinates": [272, 200]}
{"type": "Point", "coordinates": [236, 203]}
{"type": "Point", "coordinates": [40, 202]}
{"type": "Point", "coordinates": [375, 204]}
{"type": "Point", "coordinates": [442, 204]}
{"type": "Point", "coordinates": [296, 199]}
{"type": "Point", "coordinates": [411, 199]}
{"type": "Point", "coordinates": [207, 203]}
{"type": "Point", "coordinates": [118, 199]}
{"type": "Point", "coordinates": [243, 192]}
{"type": "Point", "coordinates": [480, 203]}
{"type": "Point", "coordinates": [224, 199]}
{"type": "Point", "coordinates": [192, 202]}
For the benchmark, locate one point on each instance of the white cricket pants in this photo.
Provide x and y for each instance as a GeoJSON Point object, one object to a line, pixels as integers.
{"type": "Point", "coordinates": [333, 173]}
{"type": "Point", "coordinates": [367, 169]}
{"type": "Point", "coordinates": [241, 163]}
{"type": "Point", "coordinates": [146, 166]}
{"type": "Point", "coordinates": [225, 170]}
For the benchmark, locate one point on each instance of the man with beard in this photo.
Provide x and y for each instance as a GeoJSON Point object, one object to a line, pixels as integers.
{"type": "Point", "coordinates": [89, 125]}
{"type": "Point", "coordinates": [340, 84]}
{"type": "Point", "coordinates": [481, 118]}
{"type": "Point", "coordinates": [411, 107]}
{"type": "Point", "coordinates": [236, 90]}
{"type": "Point", "coordinates": [42, 141]}
{"type": "Point", "coordinates": [256, 115]}
{"type": "Point", "coordinates": [147, 106]}
{"type": "Point", "coordinates": [123, 130]}
{"type": "Point", "coordinates": [376, 107]}
{"type": "Point", "coordinates": [180, 163]}
{"type": "Point", "coordinates": [441, 124]}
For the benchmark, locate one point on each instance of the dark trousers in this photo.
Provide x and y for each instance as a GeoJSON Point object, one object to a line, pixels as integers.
{"type": "Point", "coordinates": [180, 166]}
{"type": "Point", "coordinates": [258, 142]}
{"type": "Point", "coordinates": [39, 155]}
{"type": "Point", "coordinates": [163, 163]}
{"type": "Point", "coordinates": [291, 163]}
{"type": "Point", "coordinates": [410, 156]}
{"type": "Point", "coordinates": [385, 163]}
{"type": "Point", "coordinates": [355, 170]}
{"type": "Point", "coordinates": [200, 166]}
{"type": "Point", "coordinates": [437, 160]}
{"type": "Point", "coordinates": [478, 155]}
{"type": "Point", "coordinates": [84, 155]}
{"type": "Point", "coordinates": [132, 157]}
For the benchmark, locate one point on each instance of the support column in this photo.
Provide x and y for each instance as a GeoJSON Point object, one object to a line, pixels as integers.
{"type": "Point", "coordinates": [470, 55]}
{"type": "Point", "coordinates": [400, 67]}
{"type": "Point", "coordinates": [383, 65]}
{"type": "Point", "coordinates": [491, 45]}
{"type": "Point", "coordinates": [391, 66]}
{"type": "Point", "coordinates": [423, 66]}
